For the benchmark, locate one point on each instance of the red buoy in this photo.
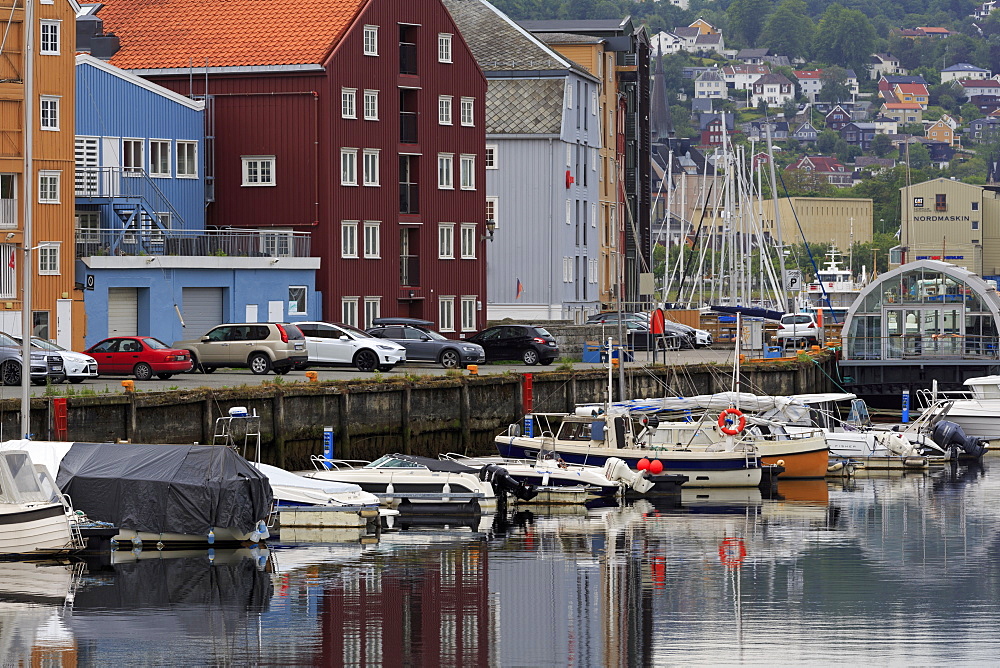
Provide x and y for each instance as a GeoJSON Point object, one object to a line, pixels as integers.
{"type": "Point", "coordinates": [643, 464]}
{"type": "Point", "coordinates": [656, 466]}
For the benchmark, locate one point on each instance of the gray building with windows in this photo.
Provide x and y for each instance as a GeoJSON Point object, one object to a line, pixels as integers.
{"type": "Point", "coordinates": [542, 170]}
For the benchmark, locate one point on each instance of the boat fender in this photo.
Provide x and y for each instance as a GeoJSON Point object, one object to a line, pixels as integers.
{"type": "Point", "coordinates": [780, 462]}
{"type": "Point", "coordinates": [211, 536]}
{"type": "Point", "coordinates": [726, 419]}
{"type": "Point", "coordinates": [656, 467]}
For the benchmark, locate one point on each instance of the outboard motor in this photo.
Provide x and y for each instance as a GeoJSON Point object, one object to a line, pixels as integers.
{"type": "Point", "coordinates": [949, 435]}
{"type": "Point", "coordinates": [502, 482]}
{"type": "Point", "coordinates": [618, 471]}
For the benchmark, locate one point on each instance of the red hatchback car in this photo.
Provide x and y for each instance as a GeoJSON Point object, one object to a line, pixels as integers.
{"type": "Point", "coordinates": [141, 356]}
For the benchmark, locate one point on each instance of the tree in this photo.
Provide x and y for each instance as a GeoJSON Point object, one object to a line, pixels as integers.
{"type": "Point", "coordinates": [789, 30]}
{"type": "Point", "coordinates": [881, 145]}
{"type": "Point", "coordinates": [844, 36]}
{"type": "Point", "coordinates": [747, 17]}
{"type": "Point", "coordinates": [827, 141]}
{"type": "Point", "coordinates": [790, 109]}
{"type": "Point", "coordinates": [919, 156]}
{"type": "Point", "coordinates": [969, 112]}
{"type": "Point", "coordinates": [835, 88]}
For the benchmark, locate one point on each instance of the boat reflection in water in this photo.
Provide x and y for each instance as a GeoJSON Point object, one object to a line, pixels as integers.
{"type": "Point", "coordinates": [820, 570]}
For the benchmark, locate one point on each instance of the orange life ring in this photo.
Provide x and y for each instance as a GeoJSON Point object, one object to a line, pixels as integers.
{"type": "Point", "coordinates": [724, 421]}
{"type": "Point", "coordinates": [732, 552]}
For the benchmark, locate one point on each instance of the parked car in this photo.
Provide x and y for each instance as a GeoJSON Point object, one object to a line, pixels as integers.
{"type": "Point", "coordinates": [425, 345]}
{"type": "Point", "coordinates": [694, 337]}
{"type": "Point", "coordinates": [330, 344]}
{"type": "Point", "coordinates": [533, 345]}
{"type": "Point", "coordinates": [45, 367]}
{"type": "Point", "coordinates": [77, 367]}
{"type": "Point", "coordinates": [140, 356]}
{"type": "Point", "coordinates": [798, 326]}
{"type": "Point", "coordinates": [258, 346]}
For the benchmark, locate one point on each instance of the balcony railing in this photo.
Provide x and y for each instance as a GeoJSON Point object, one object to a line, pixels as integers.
{"type": "Point", "coordinates": [407, 58]}
{"type": "Point", "coordinates": [8, 213]}
{"type": "Point", "coordinates": [408, 127]}
{"type": "Point", "coordinates": [124, 183]}
{"type": "Point", "coordinates": [409, 270]}
{"type": "Point", "coordinates": [916, 347]}
{"type": "Point", "coordinates": [409, 198]}
{"type": "Point", "coordinates": [199, 243]}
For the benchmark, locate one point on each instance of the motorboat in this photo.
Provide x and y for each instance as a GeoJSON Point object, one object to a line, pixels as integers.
{"type": "Point", "coordinates": [159, 494]}
{"type": "Point", "coordinates": [34, 515]}
{"type": "Point", "coordinates": [592, 436]}
{"type": "Point", "coordinates": [834, 290]}
{"type": "Point", "coordinates": [290, 489]}
{"type": "Point", "coordinates": [412, 483]}
{"type": "Point", "coordinates": [976, 410]}
{"type": "Point", "coordinates": [550, 470]}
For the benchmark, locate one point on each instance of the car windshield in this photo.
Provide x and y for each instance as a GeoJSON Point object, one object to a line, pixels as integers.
{"type": "Point", "coordinates": [44, 344]}
{"type": "Point", "coordinates": [354, 332]}
{"type": "Point", "coordinates": [156, 344]}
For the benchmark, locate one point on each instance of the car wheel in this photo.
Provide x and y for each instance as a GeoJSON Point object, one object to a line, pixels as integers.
{"type": "Point", "coordinates": [546, 362]}
{"type": "Point", "coordinates": [76, 379]}
{"type": "Point", "coordinates": [194, 363]}
{"type": "Point", "coordinates": [530, 357]}
{"type": "Point", "coordinates": [10, 373]}
{"type": "Point", "coordinates": [259, 363]}
{"type": "Point", "coordinates": [164, 376]}
{"type": "Point", "coordinates": [142, 371]}
{"type": "Point", "coordinates": [450, 359]}
{"type": "Point", "coordinates": [366, 360]}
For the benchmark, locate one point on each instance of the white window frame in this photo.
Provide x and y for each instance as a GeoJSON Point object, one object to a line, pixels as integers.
{"type": "Point", "coordinates": [569, 212]}
{"type": "Point", "coordinates": [444, 47]}
{"type": "Point", "coordinates": [373, 310]}
{"type": "Point", "coordinates": [293, 304]}
{"type": "Point", "coordinates": [49, 37]}
{"type": "Point", "coordinates": [493, 211]}
{"type": "Point", "coordinates": [490, 157]}
{"type": "Point", "coordinates": [371, 105]}
{"type": "Point", "coordinates": [154, 146]}
{"type": "Point", "coordinates": [467, 111]}
{"type": "Point", "coordinates": [370, 164]}
{"type": "Point", "coordinates": [468, 314]}
{"type": "Point", "coordinates": [348, 102]}
{"type": "Point", "coordinates": [444, 109]}
{"type": "Point", "coordinates": [446, 313]}
{"type": "Point", "coordinates": [48, 112]}
{"type": "Point", "coordinates": [467, 241]}
{"type": "Point", "coordinates": [184, 147]}
{"type": "Point", "coordinates": [348, 166]}
{"type": "Point", "coordinates": [446, 171]}
{"type": "Point", "coordinates": [372, 239]}
{"type": "Point", "coordinates": [370, 40]}
{"type": "Point", "coordinates": [49, 183]}
{"type": "Point", "coordinates": [593, 214]}
{"type": "Point", "coordinates": [133, 155]}
{"type": "Point", "coordinates": [48, 258]}
{"type": "Point", "coordinates": [252, 162]}
{"type": "Point", "coordinates": [446, 241]}
{"type": "Point", "coordinates": [349, 239]}
{"type": "Point", "coordinates": [467, 172]}
{"type": "Point", "coordinates": [349, 310]}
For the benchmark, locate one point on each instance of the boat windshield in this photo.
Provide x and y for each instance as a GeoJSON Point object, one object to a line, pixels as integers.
{"type": "Point", "coordinates": [390, 462]}
{"type": "Point", "coordinates": [571, 430]}
{"type": "Point", "coordinates": [22, 486]}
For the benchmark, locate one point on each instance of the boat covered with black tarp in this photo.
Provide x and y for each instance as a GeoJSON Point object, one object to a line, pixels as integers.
{"type": "Point", "coordinates": [188, 490]}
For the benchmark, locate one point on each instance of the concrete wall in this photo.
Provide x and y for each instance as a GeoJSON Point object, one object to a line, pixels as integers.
{"type": "Point", "coordinates": [370, 418]}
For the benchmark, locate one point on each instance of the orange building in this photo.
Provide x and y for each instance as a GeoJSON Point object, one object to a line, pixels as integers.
{"type": "Point", "coordinates": [940, 131]}
{"type": "Point", "coordinates": [57, 308]}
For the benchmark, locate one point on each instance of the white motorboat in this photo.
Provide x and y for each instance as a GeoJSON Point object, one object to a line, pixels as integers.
{"type": "Point", "coordinates": [34, 516]}
{"type": "Point", "coordinates": [976, 410]}
{"type": "Point", "coordinates": [290, 489]}
{"type": "Point", "coordinates": [833, 292]}
{"type": "Point", "coordinates": [413, 483]}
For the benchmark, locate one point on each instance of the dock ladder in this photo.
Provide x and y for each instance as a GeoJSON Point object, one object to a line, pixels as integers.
{"type": "Point", "coordinates": [240, 431]}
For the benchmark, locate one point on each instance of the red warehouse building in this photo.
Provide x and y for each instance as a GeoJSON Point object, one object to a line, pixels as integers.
{"type": "Point", "coordinates": [360, 121]}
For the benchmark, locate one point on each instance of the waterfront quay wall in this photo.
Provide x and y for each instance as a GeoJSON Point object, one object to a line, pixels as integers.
{"type": "Point", "coordinates": [417, 415]}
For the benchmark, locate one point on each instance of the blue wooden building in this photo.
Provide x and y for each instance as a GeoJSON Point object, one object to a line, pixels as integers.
{"type": "Point", "coordinates": [147, 262]}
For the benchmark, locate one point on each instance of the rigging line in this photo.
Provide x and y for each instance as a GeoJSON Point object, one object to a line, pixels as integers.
{"type": "Point", "coordinates": [680, 249]}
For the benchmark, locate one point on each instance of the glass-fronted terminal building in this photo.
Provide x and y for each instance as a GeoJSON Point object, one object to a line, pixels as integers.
{"type": "Point", "coordinates": [924, 321]}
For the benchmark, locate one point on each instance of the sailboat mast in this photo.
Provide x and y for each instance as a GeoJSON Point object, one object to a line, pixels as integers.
{"type": "Point", "coordinates": [777, 222]}
{"type": "Point", "coordinates": [28, 179]}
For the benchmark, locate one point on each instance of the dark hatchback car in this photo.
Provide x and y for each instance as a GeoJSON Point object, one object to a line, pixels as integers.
{"type": "Point", "coordinates": [426, 345]}
{"type": "Point", "coordinates": [533, 345]}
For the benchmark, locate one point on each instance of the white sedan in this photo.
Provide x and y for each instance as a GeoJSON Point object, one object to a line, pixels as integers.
{"type": "Point", "coordinates": [342, 345]}
{"type": "Point", "coordinates": [78, 366]}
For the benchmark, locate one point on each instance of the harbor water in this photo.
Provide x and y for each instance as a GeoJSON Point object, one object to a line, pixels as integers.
{"type": "Point", "coordinates": [878, 570]}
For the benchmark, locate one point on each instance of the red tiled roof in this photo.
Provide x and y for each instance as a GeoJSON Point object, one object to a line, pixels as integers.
{"type": "Point", "coordinates": [912, 89]}
{"type": "Point", "coordinates": [808, 74]}
{"type": "Point", "coordinates": [160, 34]}
{"type": "Point", "coordinates": [902, 105]}
{"type": "Point", "coordinates": [979, 83]}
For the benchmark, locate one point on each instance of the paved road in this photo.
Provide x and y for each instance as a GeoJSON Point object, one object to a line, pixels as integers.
{"type": "Point", "coordinates": [238, 377]}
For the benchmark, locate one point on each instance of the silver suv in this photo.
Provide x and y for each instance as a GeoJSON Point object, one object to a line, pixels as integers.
{"type": "Point", "coordinates": [258, 346]}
